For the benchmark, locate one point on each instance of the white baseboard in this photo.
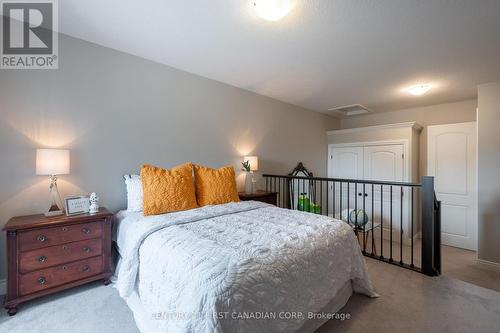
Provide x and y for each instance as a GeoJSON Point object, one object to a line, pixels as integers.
{"type": "Point", "coordinates": [492, 266]}
{"type": "Point", "coordinates": [3, 286]}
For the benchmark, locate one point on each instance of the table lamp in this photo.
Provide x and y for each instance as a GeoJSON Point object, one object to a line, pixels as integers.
{"type": "Point", "coordinates": [253, 162]}
{"type": "Point", "coordinates": [53, 162]}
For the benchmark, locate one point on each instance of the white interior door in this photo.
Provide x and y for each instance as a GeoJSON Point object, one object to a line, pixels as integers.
{"type": "Point", "coordinates": [345, 163]}
{"type": "Point", "coordinates": [385, 163]}
{"type": "Point", "coordinates": [372, 162]}
{"type": "Point", "coordinates": [452, 161]}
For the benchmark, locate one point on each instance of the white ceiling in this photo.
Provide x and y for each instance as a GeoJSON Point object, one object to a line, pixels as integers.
{"type": "Point", "coordinates": [325, 53]}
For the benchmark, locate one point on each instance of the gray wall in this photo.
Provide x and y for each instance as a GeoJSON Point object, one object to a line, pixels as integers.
{"type": "Point", "coordinates": [116, 111]}
{"type": "Point", "coordinates": [489, 172]}
{"type": "Point", "coordinates": [449, 113]}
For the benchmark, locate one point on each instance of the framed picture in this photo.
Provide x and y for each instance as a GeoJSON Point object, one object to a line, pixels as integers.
{"type": "Point", "coordinates": [77, 205]}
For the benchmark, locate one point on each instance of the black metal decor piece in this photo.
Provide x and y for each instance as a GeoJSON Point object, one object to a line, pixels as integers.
{"type": "Point", "coordinates": [298, 171]}
{"type": "Point", "coordinates": [300, 168]}
{"type": "Point", "coordinates": [334, 197]}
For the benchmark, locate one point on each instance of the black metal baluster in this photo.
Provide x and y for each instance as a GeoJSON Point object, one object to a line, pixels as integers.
{"type": "Point", "coordinates": [349, 206]}
{"type": "Point", "coordinates": [412, 212]}
{"type": "Point", "coordinates": [390, 201]}
{"type": "Point", "coordinates": [364, 214]}
{"type": "Point", "coordinates": [280, 192]}
{"type": "Point", "coordinates": [401, 227]}
{"type": "Point", "coordinates": [284, 196]}
{"type": "Point", "coordinates": [278, 195]}
{"type": "Point", "coordinates": [373, 222]}
{"type": "Point", "coordinates": [333, 199]}
{"type": "Point", "coordinates": [356, 209]}
{"type": "Point", "coordinates": [299, 193]}
{"type": "Point", "coordinates": [267, 184]}
{"type": "Point", "coordinates": [340, 205]}
{"type": "Point", "coordinates": [381, 221]}
{"type": "Point", "coordinates": [305, 191]}
{"type": "Point", "coordinates": [321, 198]}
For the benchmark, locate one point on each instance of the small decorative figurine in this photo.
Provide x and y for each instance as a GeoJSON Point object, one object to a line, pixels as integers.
{"type": "Point", "coordinates": [94, 207]}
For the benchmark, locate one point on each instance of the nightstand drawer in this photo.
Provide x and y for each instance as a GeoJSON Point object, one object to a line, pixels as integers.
{"type": "Point", "coordinates": [44, 237]}
{"type": "Point", "coordinates": [271, 199]}
{"type": "Point", "coordinates": [58, 275]}
{"type": "Point", "coordinates": [55, 255]}
{"type": "Point", "coordinates": [262, 196]}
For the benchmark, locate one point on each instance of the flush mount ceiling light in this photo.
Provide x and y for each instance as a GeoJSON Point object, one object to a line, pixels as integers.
{"type": "Point", "coordinates": [419, 90]}
{"type": "Point", "coordinates": [272, 10]}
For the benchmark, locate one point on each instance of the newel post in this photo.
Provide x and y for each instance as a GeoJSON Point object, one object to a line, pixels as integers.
{"type": "Point", "coordinates": [431, 229]}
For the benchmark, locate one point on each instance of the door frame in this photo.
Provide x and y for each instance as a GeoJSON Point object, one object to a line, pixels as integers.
{"type": "Point", "coordinates": [407, 166]}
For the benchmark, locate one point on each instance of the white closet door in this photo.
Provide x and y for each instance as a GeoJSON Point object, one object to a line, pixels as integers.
{"type": "Point", "coordinates": [452, 161]}
{"type": "Point", "coordinates": [373, 162]}
{"type": "Point", "coordinates": [384, 163]}
{"type": "Point", "coordinates": [346, 163]}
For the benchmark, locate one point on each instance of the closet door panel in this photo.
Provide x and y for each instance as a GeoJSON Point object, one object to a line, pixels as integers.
{"type": "Point", "coordinates": [385, 163]}
{"type": "Point", "coordinates": [347, 163]}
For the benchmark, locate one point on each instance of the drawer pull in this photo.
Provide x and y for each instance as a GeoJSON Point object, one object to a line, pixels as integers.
{"type": "Point", "coordinates": [41, 280]}
{"type": "Point", "coordinates": [86, 268]}
{"type": "Point", "coordinates": [86, 249]}
{"type": "Point", "coordinates": [65, 247]}
{"type": "Point", "coordinates": [64, 268]}
{"type": "Point", "coordinates": [42, 259]}
{"type": "Point", "coordinates": [86, 231]}
{"type": "Point", "coordinates": [41, 238]}
{"type": "Point", "coordinates": [64, 229]}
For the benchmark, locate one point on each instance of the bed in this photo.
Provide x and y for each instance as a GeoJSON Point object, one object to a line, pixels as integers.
{"type": "Point", "coordinates": [236, 267]}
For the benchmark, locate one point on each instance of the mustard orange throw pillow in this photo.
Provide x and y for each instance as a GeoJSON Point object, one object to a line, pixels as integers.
{"type": "Point", "coordinates": [167, 191]}
{"type": "Point", "coordinates": [215, 186]}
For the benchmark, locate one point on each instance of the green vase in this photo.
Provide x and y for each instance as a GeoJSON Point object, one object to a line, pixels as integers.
{"type": "Point", "coordinates": [303, 203]}
{"type": "Point", "coordinates": [315, 208]}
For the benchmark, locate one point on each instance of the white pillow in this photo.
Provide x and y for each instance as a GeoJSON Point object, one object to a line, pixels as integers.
{"type": "Point", "coordinates": [134, 193]}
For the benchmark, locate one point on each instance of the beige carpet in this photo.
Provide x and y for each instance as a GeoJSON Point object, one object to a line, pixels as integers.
{"type": "Point", "coordinates": [412, 302]}
{"type": "Point", "coordinates": [456, 263]}
{"type": "Point", "coordinates": [409, 302]}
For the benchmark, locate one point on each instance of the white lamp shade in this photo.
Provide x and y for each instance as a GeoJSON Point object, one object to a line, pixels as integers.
{"type": "Point", "coordinates": [52, 162]}
{"type": "Point", "coordinates": [254, 162]}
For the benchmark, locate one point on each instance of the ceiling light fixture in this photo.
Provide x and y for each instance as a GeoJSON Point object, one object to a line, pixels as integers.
{"type": "Point", "coordinates": [419, 90]}
{"type": "Point", "coordinates": [272, 10]}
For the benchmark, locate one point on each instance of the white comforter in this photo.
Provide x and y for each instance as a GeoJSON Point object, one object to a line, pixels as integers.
{"type": "Point", "coordinates": [201, 270]}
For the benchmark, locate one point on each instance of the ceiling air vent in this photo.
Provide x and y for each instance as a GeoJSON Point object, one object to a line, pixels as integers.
{"type": "Point", "coordinates": [350, 110]}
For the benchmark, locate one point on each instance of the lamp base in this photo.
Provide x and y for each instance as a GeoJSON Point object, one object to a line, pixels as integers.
{"type": "Point", "coordinates": [54, 211]}
{"type": "Point", "coordinates": [249, 183]}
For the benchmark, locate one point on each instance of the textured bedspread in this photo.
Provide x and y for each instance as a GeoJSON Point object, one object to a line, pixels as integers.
{"type": "Point", "coordinates": [237, 267]}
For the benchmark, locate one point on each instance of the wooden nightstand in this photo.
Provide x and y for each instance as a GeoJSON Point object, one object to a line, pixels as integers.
{"type": "Point", "coordinates": [263, 196]}
{"type": "Point", "coordinates": [49, 254]}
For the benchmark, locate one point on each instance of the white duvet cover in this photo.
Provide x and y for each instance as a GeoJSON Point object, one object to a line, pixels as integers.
{"type": "Point", "coordinates": [238, 267]}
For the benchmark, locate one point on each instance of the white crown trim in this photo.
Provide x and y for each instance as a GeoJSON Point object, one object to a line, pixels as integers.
{"type": "Point", "coordinates": [410, 124]}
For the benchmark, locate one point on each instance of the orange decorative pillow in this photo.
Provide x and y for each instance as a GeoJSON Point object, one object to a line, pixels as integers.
{"type": "Point", "coordinates": [215, 186]}
{"type": "Point", "coordinates": [167, 191]}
